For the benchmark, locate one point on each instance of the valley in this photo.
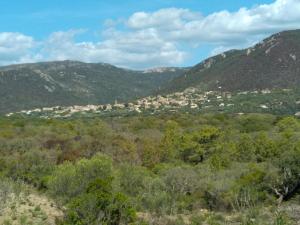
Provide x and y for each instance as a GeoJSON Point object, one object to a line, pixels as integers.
{"type": "Point", "coordinates": [213, 144]}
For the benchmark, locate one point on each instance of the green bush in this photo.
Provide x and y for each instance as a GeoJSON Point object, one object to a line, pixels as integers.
{"type": "Point", "coordinates": [99, 205]}
{"type": "Point", "coordinates": [71, 179]}
{"type": "Point", "coordinates": [32, 167]}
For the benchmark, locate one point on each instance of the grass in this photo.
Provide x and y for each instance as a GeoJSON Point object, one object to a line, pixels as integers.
{"type": "Point", "coordinates": [30, 209]}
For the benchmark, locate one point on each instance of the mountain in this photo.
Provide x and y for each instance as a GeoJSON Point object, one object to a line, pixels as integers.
{"type": "Point", "coordinates": [272, 63]}
{"type": "Point", "coordinates": [67, 83]}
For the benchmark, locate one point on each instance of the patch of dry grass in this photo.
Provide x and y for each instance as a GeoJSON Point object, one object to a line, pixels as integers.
{"type": "Point", "coordinates": [27, 209]}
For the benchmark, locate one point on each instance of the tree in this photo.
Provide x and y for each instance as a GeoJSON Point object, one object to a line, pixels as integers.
{"type": "Point", "coordinates": [289, 174]}
{"type": "Point", "coordinates": [289, 123]}
{"type": "Point", "coordinates": [245, 148]}
{"type": "Point", "coordinates": [265, 147]}
{"type": "Point", "coordinates": [149, 151]}
{"type": "Point", "coordinates": [191, 150]}
{"type": "Point", "coordinates": [171, 141]}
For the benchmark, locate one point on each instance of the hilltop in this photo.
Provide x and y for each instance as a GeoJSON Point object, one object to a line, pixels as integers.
{"type": "Point", "coordinates": [272, 63]}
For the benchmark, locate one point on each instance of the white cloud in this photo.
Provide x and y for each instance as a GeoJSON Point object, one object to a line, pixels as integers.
{"type": "Point", "coordinates": [15, 48]}
{"type": "Point", "coordinates": [221, 27]}
{"type": "Point", "coordinates": [139, 49]}
{"type": "Point", "coordinates": [165, 19]}
{"type": "Point", "coordinates": [161, 38]}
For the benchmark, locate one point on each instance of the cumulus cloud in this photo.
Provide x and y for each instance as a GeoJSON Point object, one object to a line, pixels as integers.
{"type": "Point", "coordinates": [15, 48]}
{"type": "Point", "coordinates": [133, 49]}
{"type": "Point", "coordinates": [164, 19]}
{"type": "Point", "coordinates": [221, 27]}
{"type": "Point", "coordinates": [162, 38]}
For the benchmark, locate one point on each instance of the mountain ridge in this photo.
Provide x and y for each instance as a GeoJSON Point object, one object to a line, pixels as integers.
{"type": "Point", "coordinates": [272, 63]}
{"type": "Point", "coordinates": [68, 82]}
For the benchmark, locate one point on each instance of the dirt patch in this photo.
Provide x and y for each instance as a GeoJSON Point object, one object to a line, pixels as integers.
{"type": "Point", "coordinates": [32, 208]}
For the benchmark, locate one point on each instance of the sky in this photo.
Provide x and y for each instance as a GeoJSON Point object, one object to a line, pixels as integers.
{"type": "Point", "coordinates": [137, 34]}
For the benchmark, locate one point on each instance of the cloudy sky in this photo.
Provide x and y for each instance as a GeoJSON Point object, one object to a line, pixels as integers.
{"type": "Point", "coordinates": [137, 33]}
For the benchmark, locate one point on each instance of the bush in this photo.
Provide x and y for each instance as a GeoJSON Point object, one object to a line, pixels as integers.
{"type": "Point", "coordinates": [71, 179]}
{"type": "Point", "coordinates": [180, 183]}
{"type": "Point", "coordinates": [31, 167]}
{"type": "Point", "coordinates": [99, 205]}
{"type": "Point", "coordinates": [133, 180]}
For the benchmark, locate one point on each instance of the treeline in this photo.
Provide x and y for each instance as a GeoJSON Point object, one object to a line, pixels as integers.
{"type": "Point", "coordinates": [167, 169]}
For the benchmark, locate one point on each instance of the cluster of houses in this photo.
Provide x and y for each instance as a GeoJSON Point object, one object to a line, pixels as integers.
{"type": "Point", "coordinates": [191, 98]}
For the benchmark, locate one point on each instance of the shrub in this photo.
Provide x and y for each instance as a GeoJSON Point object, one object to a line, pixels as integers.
{"type": "Point", "coordinates": [99, 205]}
{"type": "Point", "coordinates": [31, 167]}
{"type": "Point", "coordinates": [71, 179]}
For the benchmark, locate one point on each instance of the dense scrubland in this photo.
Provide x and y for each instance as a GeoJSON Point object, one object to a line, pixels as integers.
{"type": "Point", "coordinates": [165, 169]}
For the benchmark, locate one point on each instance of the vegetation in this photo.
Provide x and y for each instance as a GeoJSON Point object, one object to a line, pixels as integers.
{"type": "Point", "coordinates": [269, 64]}
{"type": "Point", "coordinates": [164, 169]}
{"type": "Point", "coordinates": [68, 83]}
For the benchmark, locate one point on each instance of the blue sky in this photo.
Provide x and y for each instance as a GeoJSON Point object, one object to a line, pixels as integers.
{"type": "Point", "coordinates": [137, 34]}
{"type": "Point", "coordinates": [39, 18]}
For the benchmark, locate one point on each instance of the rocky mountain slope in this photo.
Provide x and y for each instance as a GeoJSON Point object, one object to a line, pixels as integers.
{"type": "Point", "coordinates": [75, 83]}
{"type": "Point", "coordinates": [272, 63]}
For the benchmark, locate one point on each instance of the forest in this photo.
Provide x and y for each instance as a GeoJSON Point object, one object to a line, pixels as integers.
{"type": "Point", "coordinates": [167, 169]}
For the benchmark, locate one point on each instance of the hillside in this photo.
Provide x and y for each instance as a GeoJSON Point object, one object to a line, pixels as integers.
{"type": "Point", "coordinates": [272, 63]}
{"type": "Point", "coordinates": [75, 83]}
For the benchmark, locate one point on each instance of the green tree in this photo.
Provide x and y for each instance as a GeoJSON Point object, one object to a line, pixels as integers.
{"type": "Point", "coordinates": [245, 148]}
{"type": "Point", "coordinates": [191, 150]}
{"type": "Point", "coordinates": [289, 174]}
{"type": "Point", "coordinates": [171, 141]}
{"type": "Point", "coordinates": [265, 147]}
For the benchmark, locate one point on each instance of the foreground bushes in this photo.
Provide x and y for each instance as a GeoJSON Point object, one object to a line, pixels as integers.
{"type": "Point", "coordinates": [104, 171]}
{"type": "Point", "coordinates": [98, 204]}
{"type": "Point", "coordinates": [71, 179]}
{"type": "Point", "coordinates": [86, 188]}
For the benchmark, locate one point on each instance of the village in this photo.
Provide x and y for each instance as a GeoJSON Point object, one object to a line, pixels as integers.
{"type": "Point", "coordinates": [191, 98]}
